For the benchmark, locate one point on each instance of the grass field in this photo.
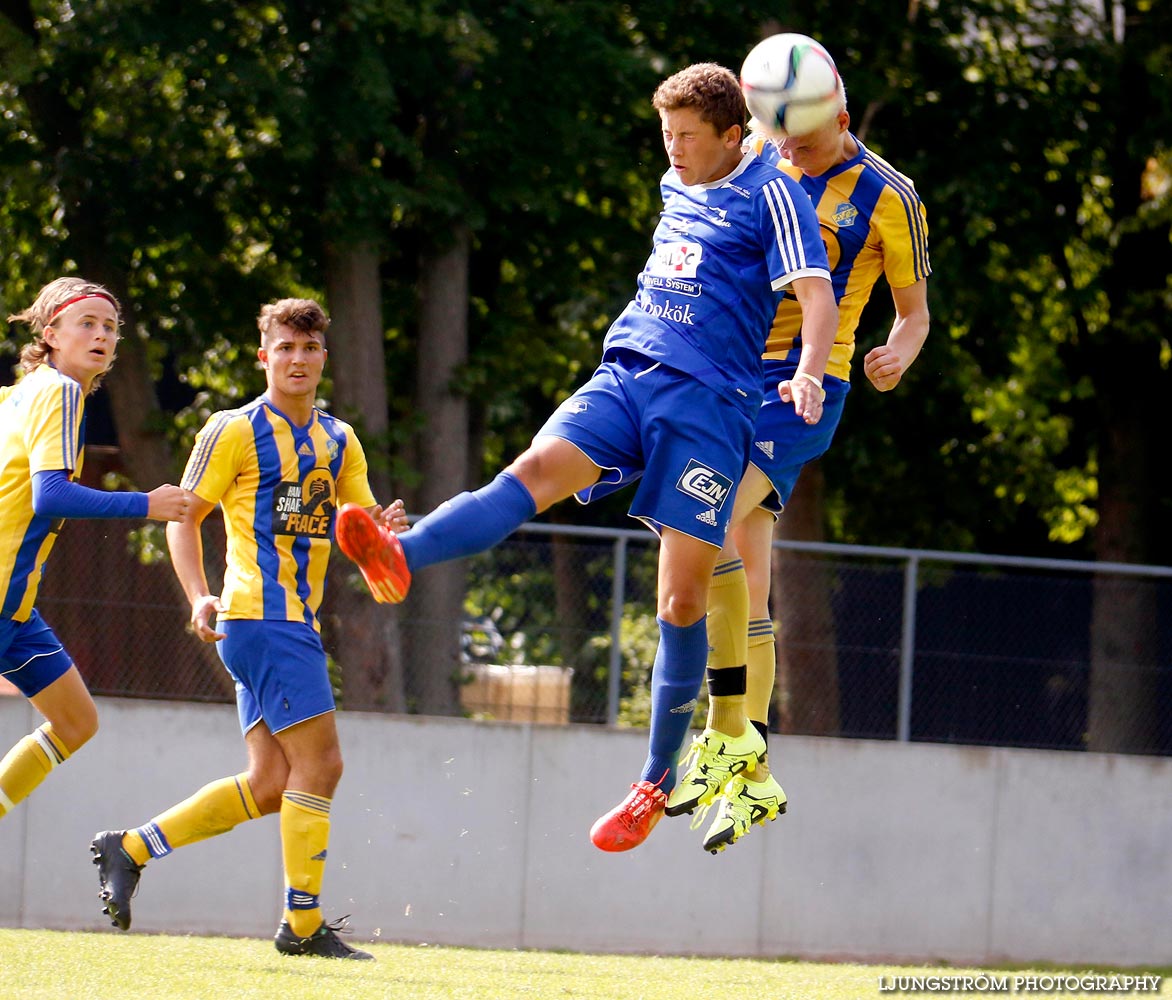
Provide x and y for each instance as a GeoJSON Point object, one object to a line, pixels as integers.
{"type": "Point", "coordinates": [54, 965]}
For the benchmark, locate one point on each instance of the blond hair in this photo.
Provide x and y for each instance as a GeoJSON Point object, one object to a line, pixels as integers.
{"type": "Point", "coordinates": [42, 314]}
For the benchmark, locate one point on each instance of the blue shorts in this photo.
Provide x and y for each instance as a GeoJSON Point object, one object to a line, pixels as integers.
{"type": "Point", "coordinates": [783, 442]}
{"type": "Point", "coordinates": [279, 669]}
{"type": "Point", "coordinates": [640, 420]}
{"type": "Point", "coordinates": [31, 655]}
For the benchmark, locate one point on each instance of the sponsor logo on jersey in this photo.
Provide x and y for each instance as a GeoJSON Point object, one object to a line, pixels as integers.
{"type": "Point", "coordinates": [305, 449]}
{"type": "Point", "coordinates": [705, 484]}
{"type": "Point", "coordinates": [765, 446]}
{"type": "Point", "coordinates": [743, 192]}
{"type": "Point", "coordinates": [845, 214]}
{"type": "Point", "coordinates": [677, 260]}
{"type": "Point", "coordinates": [673, 312]}
{"type": "Point", "coordinates": [305, 508]}
{"type": "Point", "coordinates": [677, 285]}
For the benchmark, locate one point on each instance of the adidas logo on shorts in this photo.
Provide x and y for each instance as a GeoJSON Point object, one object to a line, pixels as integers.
{"type": "Point", "coordinates": [707, 516]}
{"type": "Point", "coordinates": [765, 446]}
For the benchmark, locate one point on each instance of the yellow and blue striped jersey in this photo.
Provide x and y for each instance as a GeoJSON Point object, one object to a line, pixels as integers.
{"type": "Point", "coordinates": [41, 430]}
{"type": "Point", "coordinates": [873, 223]}
{"type": "Point", "coordinates": [279, 486]}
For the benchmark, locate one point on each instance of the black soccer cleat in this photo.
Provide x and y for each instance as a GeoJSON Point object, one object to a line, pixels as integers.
{"type": "Point", "coordinates": [118, 875]}
{"type": "Point", "coordinates": [324, 942]}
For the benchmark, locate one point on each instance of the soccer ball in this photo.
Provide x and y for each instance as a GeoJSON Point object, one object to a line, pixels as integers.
{"type": "Point", "coordinates": [790, 84]}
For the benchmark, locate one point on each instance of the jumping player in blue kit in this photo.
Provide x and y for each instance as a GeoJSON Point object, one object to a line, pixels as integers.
{"type": "Point", "coordinates": [671, 407]}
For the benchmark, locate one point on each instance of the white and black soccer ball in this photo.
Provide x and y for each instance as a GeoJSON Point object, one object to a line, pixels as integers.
{"type": "Point", "coordinates": [790, 84]}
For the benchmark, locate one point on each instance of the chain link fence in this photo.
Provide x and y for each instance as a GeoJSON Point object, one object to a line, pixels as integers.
{"type": "Point", "coordinates": [557, 624]}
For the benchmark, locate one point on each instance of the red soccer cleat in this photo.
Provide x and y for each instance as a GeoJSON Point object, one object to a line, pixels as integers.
{"type": "Point", "coordinates": [628, 824]}
{"type": "Point", "coordinates": [376, 551]}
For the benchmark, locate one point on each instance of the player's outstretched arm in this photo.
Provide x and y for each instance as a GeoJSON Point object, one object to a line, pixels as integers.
{"type": "Point", "coordinates": [885, 365]}
{"type": "Point", "coordinates": [819, 325]}
{"type": "Point", "coordinates": [56, 495]}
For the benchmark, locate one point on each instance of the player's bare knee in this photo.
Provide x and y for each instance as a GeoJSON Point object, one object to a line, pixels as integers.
{"type": "Point", "coordinates": [682, 609]}
{"type": "Point", "coordinates": [333, 768]}
{"type": "Point", "coordinates": [266, 793]}
{"type": "Point", "coordinates": [532, 469]}
{"type": "Point", "coordinates": [77, 729]}
{"type": "Point", "coordinates": [327, 772]}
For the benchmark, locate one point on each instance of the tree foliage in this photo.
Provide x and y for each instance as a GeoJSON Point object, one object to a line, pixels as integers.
{"type": "Point", "coordinates": [204, 160]}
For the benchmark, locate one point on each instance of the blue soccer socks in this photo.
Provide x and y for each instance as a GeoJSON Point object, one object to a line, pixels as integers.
{"type": "Point", "coordinates": [469, 523]}
{"type": "Point", "coordinates": [675, 681]}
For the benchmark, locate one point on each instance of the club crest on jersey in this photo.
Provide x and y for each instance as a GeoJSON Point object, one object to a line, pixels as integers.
{"type": "Point", "coordinates": [845, 214]}
{"type": "Point", "coordinates": [704, 484]}
{"type": "Point", "coordinates": [305, 508]}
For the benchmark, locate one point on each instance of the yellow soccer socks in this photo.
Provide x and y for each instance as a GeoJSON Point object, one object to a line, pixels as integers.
{"type": "Point", "coordinates": [28, 763]}
{"type": "Point", "coordinates": [305, 834]}
{"type": "Point", "coordinates": [214, 809]}
{"type": "Point", "coordinates": [728, 616]}
{"type": "Point", "coordinates": [762, 669]}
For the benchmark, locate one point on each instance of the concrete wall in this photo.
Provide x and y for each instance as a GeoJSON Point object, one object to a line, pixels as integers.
{"type": "Point", "coordinates": [458, 832]}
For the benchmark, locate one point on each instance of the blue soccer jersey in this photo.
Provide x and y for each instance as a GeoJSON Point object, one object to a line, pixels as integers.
{"type": "Point", "coordinates": [723, 252]}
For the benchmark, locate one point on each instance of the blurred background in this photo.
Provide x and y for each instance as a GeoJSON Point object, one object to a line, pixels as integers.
{"type": "Point", "coordinates": [470, 189]}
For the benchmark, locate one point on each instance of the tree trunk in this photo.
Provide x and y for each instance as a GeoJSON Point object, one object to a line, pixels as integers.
{"type": "Point", "coordinates": [364, 636]}
{"type": "Point", "coordinates": [806, 693]}
{"type": "Point", "coordinates": [437, 594]}
{"type": "Point", "coordinates": [1131, 386]}
{"type": "Point", "coordinates": [1123, 693]}
{"type": "Point", "coordinates": [145, 453]}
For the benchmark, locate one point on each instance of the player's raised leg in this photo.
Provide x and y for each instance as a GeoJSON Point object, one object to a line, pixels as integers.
{"type": "Point", "coordinates": [376, 551]}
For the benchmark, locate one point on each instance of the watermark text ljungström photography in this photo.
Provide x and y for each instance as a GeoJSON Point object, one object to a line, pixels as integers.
{"type": "Point", "coordinates": [1018, 983]}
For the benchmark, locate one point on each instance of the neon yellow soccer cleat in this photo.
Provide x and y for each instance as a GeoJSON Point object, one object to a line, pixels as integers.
{"type": "Point", "coordinates": [742, 804]}
{"type": "Point", "coordinates": [712, 760]}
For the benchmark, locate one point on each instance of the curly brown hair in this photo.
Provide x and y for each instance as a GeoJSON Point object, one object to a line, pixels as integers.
{"type": "Point", "coordinates": [42, 314]}
{"type": "Point", "coordinates": [303, 315]}
{"type": "Point", "coordinates": [709, 88]}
